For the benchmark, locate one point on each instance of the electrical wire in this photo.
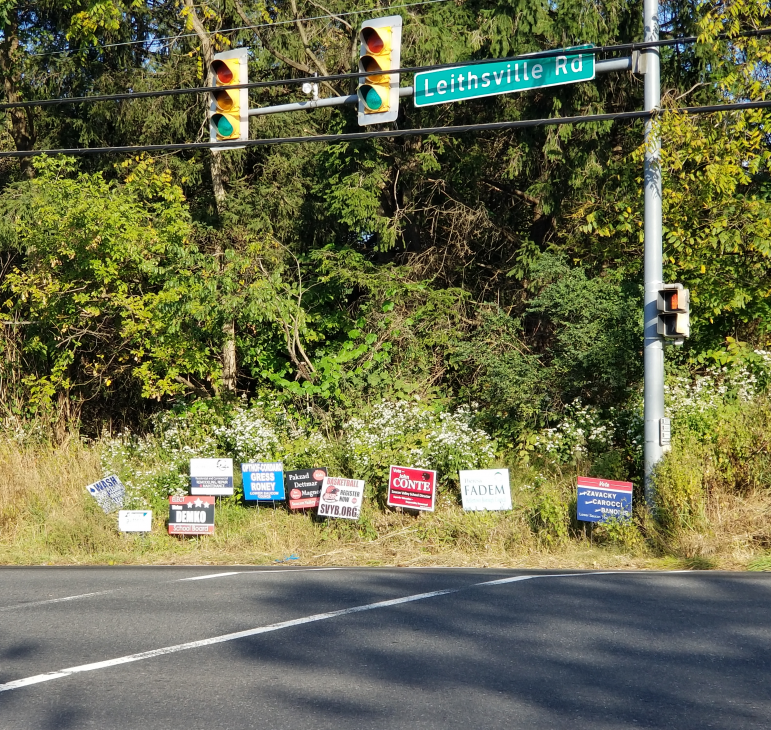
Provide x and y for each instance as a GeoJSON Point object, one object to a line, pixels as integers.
{"type": "Point", "coordinates": [390, 133]}
{"type": "Point", "coordinates": [160, 39]}
{"type": "Point", "coordinates": [594, 50]}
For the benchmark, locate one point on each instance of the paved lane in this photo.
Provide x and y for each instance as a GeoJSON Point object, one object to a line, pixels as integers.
{"type": "Point", "coordinates": [423, 648]}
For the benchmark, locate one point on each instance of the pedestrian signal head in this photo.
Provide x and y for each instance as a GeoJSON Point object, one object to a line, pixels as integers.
{"type": "Point", "coordinates": [674, 308]}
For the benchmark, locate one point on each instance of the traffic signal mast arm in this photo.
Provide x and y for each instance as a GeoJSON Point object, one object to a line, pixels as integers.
{"type": "Point", "coordinates": [605, 66]}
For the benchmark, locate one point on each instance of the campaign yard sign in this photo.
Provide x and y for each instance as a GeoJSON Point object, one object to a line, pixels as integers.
{"type": "Point", "coordinates": [211, 476]}
{"type": "Point", "coordinates": [189, 515]}
{"type": "Point", "coordinates": [603, 499]}
{"type": "Point", "coordinates": [304, 486]}
{"type": "Point", "coordinates": [485, 489]}
{"type": "Point", "coordinates": [108, 493]}
{"type": "Point", "coordinates": [412, 488]}
{"type": "Point", "coordinates": [341, 497]}
{"type": "Point", "coordinates": [263, 481]}
{"type": "Point", "coordinates": [135, 520]}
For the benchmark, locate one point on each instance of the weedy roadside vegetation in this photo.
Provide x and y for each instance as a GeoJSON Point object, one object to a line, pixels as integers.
{"type": "Point", "coordinates": [713, 487]}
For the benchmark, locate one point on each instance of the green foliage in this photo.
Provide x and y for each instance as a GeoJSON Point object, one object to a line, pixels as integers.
{"type": "Point", "coordinates": [577, 339]}
{"type": "Point", "coordinates": [549, 514]}
{"type": "Point", "coordinates": [406, 433]}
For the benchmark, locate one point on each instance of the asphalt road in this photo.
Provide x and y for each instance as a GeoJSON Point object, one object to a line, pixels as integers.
{"type": "Point", "coordinates": [142, 648]}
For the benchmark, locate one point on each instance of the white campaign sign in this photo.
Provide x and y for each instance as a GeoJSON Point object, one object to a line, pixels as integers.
{"type": "Point", "coordinates": [135, 520]}
{"type": "Point", "coordinates": [211, 476]}
{"type": "Point", "coordinates": [485, 489]}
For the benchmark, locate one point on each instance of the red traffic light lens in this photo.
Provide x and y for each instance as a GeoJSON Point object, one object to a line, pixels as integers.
{"type": "Point", "coordinates": [372, 40]}
{"type": "Point", "coordinates": [222, 72]}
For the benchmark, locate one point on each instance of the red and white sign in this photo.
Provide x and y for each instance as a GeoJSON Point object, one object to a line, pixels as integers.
{"type": "Point", "coordinates": [191, 515]}
{"type": "Point", "coordinates": [341, 497]}
{"type": "Point", "coordinates": [412, 488]}
{"type": "Point", "coordinates": [607, 484]}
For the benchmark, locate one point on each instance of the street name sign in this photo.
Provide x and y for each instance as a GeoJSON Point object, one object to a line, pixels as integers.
{"type": "Point", "coordinates": [599, 500]}
{"type": "Point", "coordinates": [503, 77]}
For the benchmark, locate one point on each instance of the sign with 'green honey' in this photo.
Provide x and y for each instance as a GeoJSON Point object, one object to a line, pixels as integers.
{"type": "Point", "coordinates": [502, 77]}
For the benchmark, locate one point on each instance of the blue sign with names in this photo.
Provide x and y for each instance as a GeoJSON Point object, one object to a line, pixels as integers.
{"type": "Point", "coordinates": [599, 500]}
{"type": "Point", "coordinates": [263, 481]}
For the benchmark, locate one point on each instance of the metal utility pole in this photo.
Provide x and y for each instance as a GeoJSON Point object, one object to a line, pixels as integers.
{"type": "Point", "coordinates": [653, 348]}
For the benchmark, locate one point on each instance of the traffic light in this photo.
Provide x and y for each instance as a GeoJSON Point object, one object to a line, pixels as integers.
{"type": "Point", "coordinates": [229, 108]}
{"type": "Point", "coordinates": [674, 312]}
{"type": "Point", "coordinates": [380, 50]}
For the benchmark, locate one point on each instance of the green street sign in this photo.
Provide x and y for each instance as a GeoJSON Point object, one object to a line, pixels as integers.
{"type": "Point", "coordinates": [502, 77]}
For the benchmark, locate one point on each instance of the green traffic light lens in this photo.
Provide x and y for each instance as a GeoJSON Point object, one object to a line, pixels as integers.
{"type": "Point", "coordinates": [371, 98]}
{"type": "Point", "coordinates": [224, 127]}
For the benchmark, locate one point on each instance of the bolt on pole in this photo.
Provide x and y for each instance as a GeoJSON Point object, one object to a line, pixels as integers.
{"type": "Point", "coordinates": [653, 347]}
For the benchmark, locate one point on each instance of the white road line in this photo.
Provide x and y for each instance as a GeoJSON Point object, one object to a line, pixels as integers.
{"type": "Point", "coordinates": [55, 600]}
{"type": "Point", "coordinates": [212, 575]}
{"type": "Point", "coordinates": [30, 604]}
{"type": "Point", "coordinates": [37, 679]}
{"type": "Point", "coordinates": [217, 640]}
{"type": "Point", "coordinates": [269, 571]}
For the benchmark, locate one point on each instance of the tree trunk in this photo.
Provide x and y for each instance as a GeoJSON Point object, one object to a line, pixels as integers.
{"type": "Point", "coordinates": [22, 129]}
{"type": "Point", "coordinates": [229, 363]}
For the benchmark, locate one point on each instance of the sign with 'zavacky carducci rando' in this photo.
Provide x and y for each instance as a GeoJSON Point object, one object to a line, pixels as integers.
{"type": "Point", "coordinates": [211, 476]}
{"type": "Point", "coordinates": [600, 500]}
{"type": "Point", "coordinates": [485, 489]}
{"type": "Point", "coordinates": [503, 77]}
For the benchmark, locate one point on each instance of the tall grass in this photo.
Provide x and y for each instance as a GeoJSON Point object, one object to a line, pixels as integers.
{"type": "Point", "coordinates": [714, 505]}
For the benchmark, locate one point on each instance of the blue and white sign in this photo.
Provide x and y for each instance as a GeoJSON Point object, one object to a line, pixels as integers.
{"type": "Point", "coordinates": [263, 481]}
{"type": "Point", "coordinates": [603, 499]}
{"type": "Point", "coordinates": [109, 493]}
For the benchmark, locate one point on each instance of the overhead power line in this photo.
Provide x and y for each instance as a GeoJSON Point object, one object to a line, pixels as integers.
{"type": "Point", "coordinates": [161, 39]}
{"type": "Point", "coordinates": [617, 48]}
{"type": "Point", "coordinates": [391, 133]}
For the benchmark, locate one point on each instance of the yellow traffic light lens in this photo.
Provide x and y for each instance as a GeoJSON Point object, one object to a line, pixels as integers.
{"type": "Point", "coordinates": [224, 127]}
{"type": "Point", "coordinates": [224, 101]}
{"type": "Point", "coordinates": [373, 40]}
{"type": "Point", "coordinates": [223, 72]}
